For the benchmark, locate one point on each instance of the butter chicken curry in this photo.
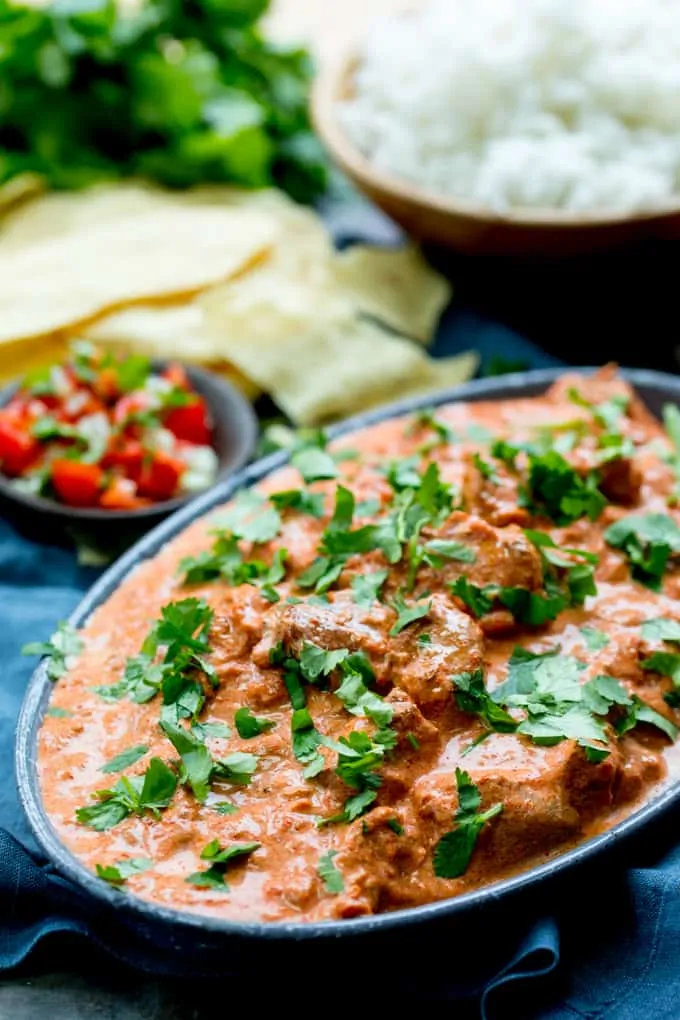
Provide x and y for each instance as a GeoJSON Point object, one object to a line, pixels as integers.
{"type": "Point", "coordinates": [428, 656]}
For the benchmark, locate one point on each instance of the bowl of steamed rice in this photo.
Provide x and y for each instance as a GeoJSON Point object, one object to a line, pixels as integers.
{"type": "Point", "coordinates": [515, 126]}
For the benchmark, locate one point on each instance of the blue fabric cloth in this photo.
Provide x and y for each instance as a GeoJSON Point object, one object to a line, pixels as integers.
{"type": "Point", "coordinates": [608, 952]}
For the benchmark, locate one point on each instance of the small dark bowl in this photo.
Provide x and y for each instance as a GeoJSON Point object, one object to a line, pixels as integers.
{"type": "Point", "coordinates": [235, 436]}
{"type": "Point", "coordinates": [193, 943]}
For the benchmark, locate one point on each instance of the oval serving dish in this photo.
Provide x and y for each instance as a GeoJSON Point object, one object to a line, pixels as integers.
{"type": "Point", "coordinates": [181, 932]}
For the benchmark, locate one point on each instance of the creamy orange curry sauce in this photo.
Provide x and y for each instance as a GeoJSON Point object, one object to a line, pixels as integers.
{"type": "Point", "coordinates": [449, 654]}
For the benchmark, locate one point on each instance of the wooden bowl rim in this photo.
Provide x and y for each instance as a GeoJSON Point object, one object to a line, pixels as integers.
{"type": "Point", "coordinates": [334, 83]}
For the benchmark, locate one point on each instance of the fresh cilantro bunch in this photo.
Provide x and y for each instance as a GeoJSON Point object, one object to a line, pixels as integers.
{"type": "Point", "coordinates": [180, 91]}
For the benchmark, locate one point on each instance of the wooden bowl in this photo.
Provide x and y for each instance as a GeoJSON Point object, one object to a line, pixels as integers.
{"type": "Point", "coordinates": [467, 226]}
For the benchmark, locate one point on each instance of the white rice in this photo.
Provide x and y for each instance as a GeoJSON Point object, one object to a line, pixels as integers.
{"type": "Point", "coordinates": [571, 104]}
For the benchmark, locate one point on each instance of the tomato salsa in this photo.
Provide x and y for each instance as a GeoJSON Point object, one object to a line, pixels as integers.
{"type": "Point", "coordinates": [434, 654]}
{"type": "Point", "coordinates": [106, 431]}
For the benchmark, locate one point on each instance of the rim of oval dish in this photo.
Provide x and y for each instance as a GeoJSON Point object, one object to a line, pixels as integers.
{"type": "Point", "coordinates": [517, 385]}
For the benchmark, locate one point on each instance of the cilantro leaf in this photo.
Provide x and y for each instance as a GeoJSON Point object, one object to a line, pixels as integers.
{"type": "Point", "coordinates": [119, 873]}
{"type": "Point", "coordinates": [224, 807]}
{"type": "Point", "coordinates": [220, 858]}
{"type": "Point", "coordinates": [151, 792]}
{"type": "Point", "coordinates": [594, 639]}
{"type": "Point", "coordinates": [197, 762]}
{"type": "Point", "coordinates": [125, 759]}
{"type": "Point", "coordinates": [306, 741]}
{"type": "Point", "coordinates": [318, 662]}
{"type": "Point", "coordinates": [248, 725]}
{"type": "Point", "coordinates": [472, 696]}
{"type": "Point", "coordinates": [427, 419]}
{"type": "Point", "coordinates": [185, 624]}
{"type": "Point", "coordinates": [486, 470]}
{"type": "Point", "coordinates": [366, 587]}
{"type": "Point", "coordinates": [649, 541]}
{"type": "Point", "coordinates": [238, 768]}
{"type": "Point", "coordinates": [454, 850]}
{"type": "Point", "coordinates": [211, 729]}
{"type": "Point", "coordinates": [251, 517]}
{"type": "Point", "coordinates": [58, 713]}
{"type": "Point", "coordinates": [661, 629]}
{"type": "Point", "coordinates": [314, 465]}
{"type": "Point", "coordinates": [311, 503]}
{"type": "Point", "coordinates": [64, 646]}
{"type": "Point", "coordinates": [639, 712]}
{"type": "Point", "coordinates": [557, 491]}
{"type": "Point", "coordinates": [438, 550]}
{"type": "Point", "coordinates": [407, 614]}
{"type": "Point", "coordinates": [531, 608]}
{"type": "Point", "coordinates": [329, 874]}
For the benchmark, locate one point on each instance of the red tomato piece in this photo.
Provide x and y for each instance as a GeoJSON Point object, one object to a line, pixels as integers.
{"type": "Point", "coordinates": [160, 476]}
{"type": "Point", "coordinates": [120, 495]}
{"type": "Point", "coordinates": [191, 423]}
{"type": "Point", "coordinates": [127, 455]}
{"type": "Point", "coordinates": [18, 448]}
{"type": "Point", "coordinates": [176, 374]}
{"type": "Point", "coordinates": [77, 484]}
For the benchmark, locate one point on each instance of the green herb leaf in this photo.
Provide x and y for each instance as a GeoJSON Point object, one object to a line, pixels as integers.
{"type": "Point", "coordinates": [63, 648]}
{"type": "Point", "coordinates": [594, 639]}
{"type": "Point", "coordinates": [472, 696]}
{"type": "Point", "coordinates": [250, 517]}
{"type": "Point", "coordinates": [125, 759]}
{"type": "Point", "coordinates": [197, 762]}
{"type": "Point", "coordinates": [661, 629]}
{"type": "Point", "coordinates": [301, 500]}
{"type": "Point", "coordinates": [486, 470]}
{"type": "Point", "coordinates": [329, 874]}
{"type": "Point", "coordinates": [366, 587]}
{"type": "Point", "coordinates": [649, 541]}
{"type": "Point", "coordinates": [119, 873]}
{"type": "Point", "coordinates": [407, 614]}
{"type": "Point", "coordinates": [248, 725]}
{"type": "Point", "coordinates": [314, 465]}
{"type": "Point", "coordinates": [557, 491]}
{"type": "Point", "coordinates": [454, 850]}
{"type": "Point", "coordinates": [438, 550]}
{"type": "Point", "coordinates": [220, 857]}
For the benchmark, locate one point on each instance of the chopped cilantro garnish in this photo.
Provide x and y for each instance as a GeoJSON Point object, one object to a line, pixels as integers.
{"type": "Point", "coordinates": [182, 629]}
{"type": "Point", "coordinates": [531, 608]}
{"type": "Point", "coordinates": [427, 419]}
{"type": "Point", "coordinates": [671, 420]}
{"type": "Point", "coordinates": [395, 825]}
{"type": "Point", "coordinates": [437, 550]}
{"type": "Point", "coordinates": [306, 740]}
{"type": "Point", "coordinates": [314, 464]}
{"type": "Point", "coordinates": [486, 470]}
{"type": "Point", "coordinates": [211, 729]}
{"type": "Point", "coordinates": [407, 614]}
{"type": "Point", "coordinates": [472, 696]}
{"type": "Point", "coordinates": [304, 502]}
{"type": "Point", "coordinates": [424, 639]}
{"type": "Point", "coordinates": [594, 639]}
{"type": "Point", "coordinates": [198, 768]}
{"type": "Point", "coordinates": [125, 759]}
{"type": "Point", "coordinates": [220, 858]}
{"type": "Point", "coordinates": [58, 713]}
{"type": "Point", "coordinates": [248, 725]}
{"type": "Point", "coordinates": [661, 629]}
{"type": "Point", "coordinates": [366, 587]}
{"type": "Point", "coordinates": [557, 491]}
{"type": "Point", "coordinates": [62, 649]}
{"type": "Point", "coordinates": [250, 517]}
{"type": "Point", "coordinates": [454, 850]}
{"type": "Point", "coordinates": [131, 795]}
{"type": "Point", "coordinates": [607, 414]}
{"type": "Point", "coordinates": [649, 541]}
{"type": "Point", "coordinates": [575, 580]}
{"type": "Point", "coordinates": [639, 712]}
{"type": "Point", "coordinates": [329, 874]}
{"type": "Point", "coordinates": [359, 757]}
{"type": "Point", "coordinates": [224, 807]}
{"type": "Point", "coordinates": [413, 741]}
{"type": "Point", "coordinates": [119, 873]}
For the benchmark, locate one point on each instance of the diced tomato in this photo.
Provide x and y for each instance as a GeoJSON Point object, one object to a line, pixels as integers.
{"type": "Point", "coordinates": [120, 494]}
{"type": "Point", "coordinates": [176, 374]}
{"type": "Point", "coordinates": [126, 455]}
{"type": "Point", "coordinates": [77, 484]}
{"type": "Point", "coordinates": [18, 448]}
{"type": "Point", "coordinates": [160, 476]}
{"type": "Point", "coordinates": [190, 423]}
